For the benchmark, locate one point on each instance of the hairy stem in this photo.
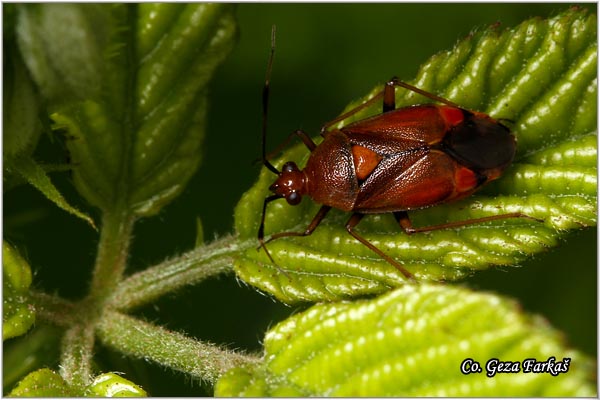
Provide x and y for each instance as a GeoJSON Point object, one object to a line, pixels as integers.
{"type": "Point", "coordinates": [140, 339]}
{"type": "Point", "coordinates": [76, 355]}
{"type": "Point", "coordinates": [187, 269]}
{"type": "Point", "coordinates": [78, 342]}
{"type": "Point", "coordinates": [53, 309]}
{"type": "Point", "coordinates": [115, 238]}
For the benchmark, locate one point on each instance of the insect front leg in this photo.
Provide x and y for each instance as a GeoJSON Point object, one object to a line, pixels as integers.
{"type": "Point", "coordinates": [351, 224]}
{"type": "Point", "coordinates": [261, 230]}
{"type": "Point", "coordinates": [309, 230]}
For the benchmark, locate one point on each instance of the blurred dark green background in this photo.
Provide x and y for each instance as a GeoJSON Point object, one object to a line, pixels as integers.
{"type": "Point", "coordinates": [327, 55]}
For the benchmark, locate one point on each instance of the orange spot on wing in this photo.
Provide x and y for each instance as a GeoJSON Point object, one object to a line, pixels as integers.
{"type": "Point", "coordinates": [365, 161]}
{"type": "Point", "coordinates": [465, 179]}
{"type": "Point", "coordinates": [452, 115]}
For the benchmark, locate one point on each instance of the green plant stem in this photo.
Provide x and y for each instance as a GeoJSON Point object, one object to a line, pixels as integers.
{"type": "Point", "coordinates": [78, 342]}
{"type": "Point", "coordinates": [76, 355]}
{"type": "Point", "coordinates": [140, 339]}
{"type": "Point", "coordinates": [189, 268]}
{"type": "Point", "coordinates": [53, 309]}
{"type": "Point", "coordinates": [115, 238]}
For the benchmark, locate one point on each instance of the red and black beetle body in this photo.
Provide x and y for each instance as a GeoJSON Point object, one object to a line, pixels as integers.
{"type": "Point", "coordinates": [403, 159]}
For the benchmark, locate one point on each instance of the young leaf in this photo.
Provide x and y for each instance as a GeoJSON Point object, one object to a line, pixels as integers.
{"type": "Point", "coordinates": [42, 383]}
{"type": "Point", "coordinates": [21, 113]}
{"type": "Point", "coordinates": [113, 385]}
{"type": "Point", "coordinates": [412, 342]}
{"type": "Point", "coordinates": [17, 312]}
{"type": "Point", "coordinates": [37, 177]}
{"type": "Point", "coordinates": [540, 77]}
{"type": "Point", "coordinates": [128, 82]}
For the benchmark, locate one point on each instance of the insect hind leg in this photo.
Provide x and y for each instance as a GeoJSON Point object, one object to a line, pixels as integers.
{"type": "Point", "coordinates": [395, 82]}
{"type": "Point", "coordinates": [389, 101]}
{"type": "Point", "coordinates": [406, 225]}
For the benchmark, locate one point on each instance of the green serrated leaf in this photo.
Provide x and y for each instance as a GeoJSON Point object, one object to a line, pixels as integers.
{"type": "Point", "coordinates": [113, 385]}
{"type": "Point", "coordinates": [542, 76]}
{"type": "Point", "coordinates": [412, 342]}
{"type": "Point", "coordinates": [18, 314]}
{"type": "Point", "coordinates": [135, 108]}
{"type": "Point", "coordinates": [20, 108]}
{"type": "Point", "coordinates": [36, 176]}
{"type": "Point", "coordinates": [21, 112]}
{"type": "Point", "coordinates": [62, 47]}
{"type": "Point", "coordinates": [42, 383]}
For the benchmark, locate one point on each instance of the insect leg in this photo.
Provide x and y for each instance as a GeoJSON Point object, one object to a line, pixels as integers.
{"type": "Point", "coordinates": [311, 227]}
{"type": "Point", "coordinates": [389, 95]}
{"type": "Point", "coordinates": [350, 113]}
{"type": "Point", "coordinates": [404, 222]}
{"type": "Point", "coordinates": [389, 101]}
{"type": "Point", "coordinates": [309, 230]}
{"type": "Point", "coordinates": [351, 224]}
{"type": "Point", "coordinates": [396, 82]}
{"type": "Point", "coordinates": [308, 142]}
{"type": "Point", "coordinates": [406, 225]}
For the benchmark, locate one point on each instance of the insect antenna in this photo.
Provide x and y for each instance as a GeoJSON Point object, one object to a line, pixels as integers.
{"type": "Point", "coordinates": [265, 105]}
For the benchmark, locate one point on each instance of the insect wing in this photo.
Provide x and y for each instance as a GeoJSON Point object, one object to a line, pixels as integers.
{"type": "Point", "coordinates": [411, 174]}
{"type": "Point", "coordinates": [409, 181]}
{"type": "Point", "coordinates": [399, 130]}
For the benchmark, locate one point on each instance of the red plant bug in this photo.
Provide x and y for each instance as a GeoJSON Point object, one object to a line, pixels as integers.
{"type": "Point", "coordinates": [400, 160]}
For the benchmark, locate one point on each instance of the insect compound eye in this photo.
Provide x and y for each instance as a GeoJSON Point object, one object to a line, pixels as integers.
{"type": "Point", "coordinates": [293, 198]}
{"type": "Point", "coordinates": [289, 166]}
